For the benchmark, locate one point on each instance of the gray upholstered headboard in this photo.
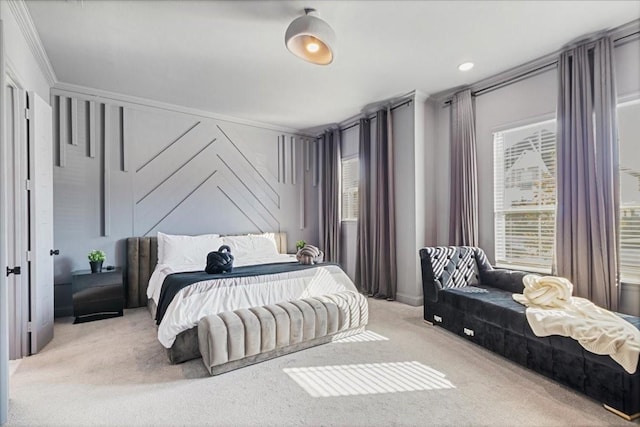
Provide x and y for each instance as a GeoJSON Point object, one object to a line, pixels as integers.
{"type": "Point", "coordinates": [142, 257]}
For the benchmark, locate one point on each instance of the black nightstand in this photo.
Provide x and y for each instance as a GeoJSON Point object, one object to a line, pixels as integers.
{"type": "Point", "coordinates": [97, 295]}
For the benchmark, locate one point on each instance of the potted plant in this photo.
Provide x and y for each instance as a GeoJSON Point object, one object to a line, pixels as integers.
{"type": "Point", "coordinates": [300, 244]}
{"type": "Point", "coordinates": [96, 258]}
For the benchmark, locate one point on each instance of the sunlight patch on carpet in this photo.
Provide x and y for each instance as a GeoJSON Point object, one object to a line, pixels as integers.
{"type": "Point", "coordinates": [362, 337]}
{"type": "Point", "coordinates": [370, 378]}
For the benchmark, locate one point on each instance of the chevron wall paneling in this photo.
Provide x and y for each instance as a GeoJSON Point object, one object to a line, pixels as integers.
{"type": "Point", "coordinates": [134, 170]}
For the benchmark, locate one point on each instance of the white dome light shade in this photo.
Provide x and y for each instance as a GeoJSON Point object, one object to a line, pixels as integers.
{"type": "Point", "coordinates": [310, 38]}
{"type": "Point", "coordinates": [465, 66]}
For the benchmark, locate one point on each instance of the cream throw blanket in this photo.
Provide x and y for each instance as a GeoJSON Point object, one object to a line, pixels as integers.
{"type": "Point", "coordinates": [551, 310]}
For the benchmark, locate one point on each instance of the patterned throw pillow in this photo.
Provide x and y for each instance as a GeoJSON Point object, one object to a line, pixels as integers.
{"type": "Point", "coordinates": [309, 255]}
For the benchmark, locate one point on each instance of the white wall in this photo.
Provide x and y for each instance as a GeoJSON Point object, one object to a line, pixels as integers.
{"type": "Point", "coordinates": [406, 161]}
{"type": "Point", "coordinates": [441, 179]}
{"type": "Point", "coordinates": [627, 68]}
{"type": "Point", "coordinates": [428, 182]}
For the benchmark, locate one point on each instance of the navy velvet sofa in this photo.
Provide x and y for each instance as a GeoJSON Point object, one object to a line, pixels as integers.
{"type": "Point", "coordinates": [466, 295]}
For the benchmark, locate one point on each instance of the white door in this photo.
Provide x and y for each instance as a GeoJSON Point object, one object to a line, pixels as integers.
{"type": "Point", "coordinates": [18, 284]}
{"type": "Point", "coordinates": [40, 221]}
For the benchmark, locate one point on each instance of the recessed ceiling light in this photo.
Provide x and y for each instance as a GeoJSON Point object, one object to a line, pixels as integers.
{"type": "Point", "coordinates": [466, 66]}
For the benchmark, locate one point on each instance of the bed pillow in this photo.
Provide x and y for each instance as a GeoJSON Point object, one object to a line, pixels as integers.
{"type": "Point", "coordinates": [177, 250]}
{"type": "Point", "coordinates": [252, 245]}
{"type": "Point", "coordinates": [265, 244]}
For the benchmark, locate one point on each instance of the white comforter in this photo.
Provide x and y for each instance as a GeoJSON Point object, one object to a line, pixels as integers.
{"type": "Point", "coordinates": [216, 296]}
{"type": "Point", "coordinates": [163, 270]}
{"type": "Point", "coordinates": [551, 310]}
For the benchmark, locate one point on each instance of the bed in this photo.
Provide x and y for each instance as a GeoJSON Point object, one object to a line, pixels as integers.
{"type": "Point", "coordinates": [177, 321]}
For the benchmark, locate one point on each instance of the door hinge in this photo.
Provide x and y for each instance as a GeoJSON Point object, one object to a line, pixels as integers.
{"type": "Point", "coordinates": [28, 255]}
{"type": "Point", "coordinates": [27, 185]}
{"type": "Point", "coordinates": [27, 113]}
{"type": "Point", "coordinates": [14, 270]}
{"type": "Point", "coordinates": [28, 326]}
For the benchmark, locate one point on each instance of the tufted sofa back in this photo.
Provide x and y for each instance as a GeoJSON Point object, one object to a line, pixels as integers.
{"type": "Point", "coordinates": [446, 267]}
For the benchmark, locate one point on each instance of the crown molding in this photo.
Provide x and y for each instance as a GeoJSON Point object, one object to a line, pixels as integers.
{"type": "Point", "coordinates": [23, 18]}
{"type": "Point", "coordinates": [92, 94]}
{"type": "Point", "coordinates": [420, 96]}
{"type": "Point", "coordinates": [11, 73]}
{"type": "Point", "coordinates": [369, 110]}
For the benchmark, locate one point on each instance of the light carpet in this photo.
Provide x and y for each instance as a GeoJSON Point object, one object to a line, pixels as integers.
{"type": "Point", "coordinates": [114, 372]}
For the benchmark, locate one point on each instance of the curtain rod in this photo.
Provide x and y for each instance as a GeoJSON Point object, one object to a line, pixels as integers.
{"type": "Point", "coordinates": [530, 73]}
{"type": "Point", "coordinates": [357, 122]}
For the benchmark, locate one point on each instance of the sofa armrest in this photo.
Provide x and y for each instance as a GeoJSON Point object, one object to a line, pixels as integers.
{"type": "Point", "coordinates": [507, 280]}
{"type": "Point", "coordinates": [430, 285]}
{"type": "Point", "coordinates": [431, 289]}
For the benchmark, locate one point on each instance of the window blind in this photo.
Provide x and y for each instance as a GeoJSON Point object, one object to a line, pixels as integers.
{"type": "Point", "coordinates": [350, 177]}
{"type": "Point", "coordinates": [628, 131]}
{"type": "Point", "coordinates": [525, 195]}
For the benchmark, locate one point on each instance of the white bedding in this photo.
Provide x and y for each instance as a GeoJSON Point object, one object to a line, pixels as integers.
{"type": "Point", "coordinates": [215, 296]}
{"type": "Point", "coordinates": [163, 270]}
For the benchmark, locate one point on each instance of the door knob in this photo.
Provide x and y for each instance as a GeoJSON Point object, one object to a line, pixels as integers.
{"type": "Point", "coordinates": [53, 252]}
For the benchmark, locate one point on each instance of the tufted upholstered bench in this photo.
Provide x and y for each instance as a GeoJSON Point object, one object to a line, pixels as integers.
{"type": "Point", "coordinates": [234, 339]}
{"type": "Point", "coordinates": [466, 295]}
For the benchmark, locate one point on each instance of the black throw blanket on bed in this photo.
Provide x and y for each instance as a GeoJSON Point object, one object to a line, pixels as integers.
{"type": "Point", "coordinates": [173, 283]}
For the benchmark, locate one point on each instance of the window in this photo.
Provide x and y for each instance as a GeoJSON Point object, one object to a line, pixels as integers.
{"type": "Point", "coordinates": [350, 201]}
{"type": "Point", "coordinates": [525, 196]}
{"type": "Point", "coordinates": [628, 131]}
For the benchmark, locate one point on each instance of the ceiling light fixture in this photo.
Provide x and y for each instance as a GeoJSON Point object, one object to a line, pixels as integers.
{"type": "Point", "coordinates": [310, 38]}
{"type": "Point", "coordinates": [466, 66]}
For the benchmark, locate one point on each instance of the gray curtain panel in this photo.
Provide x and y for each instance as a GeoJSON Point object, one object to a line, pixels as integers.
{"type": "Point", "coordinates": [364, 266]}
{"type": "Point", "coordinates": [463, 222]}
{"type": "Point", "coordinates": [383, 248]}
{"type": "Point", "coordinates": [329, 226]}
{"type": "Point", "coordinates": [587, 215]}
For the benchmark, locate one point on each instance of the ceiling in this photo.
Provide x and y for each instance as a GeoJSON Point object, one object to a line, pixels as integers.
{"type": "Point", "coordinates": [228, 57]}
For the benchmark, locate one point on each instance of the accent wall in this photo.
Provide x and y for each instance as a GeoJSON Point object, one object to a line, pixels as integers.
{"type": "Point", "coordinates": [126, 169]}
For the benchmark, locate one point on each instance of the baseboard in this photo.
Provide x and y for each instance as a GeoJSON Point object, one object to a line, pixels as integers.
{"type": "Point", "coordinates": [410, 299]}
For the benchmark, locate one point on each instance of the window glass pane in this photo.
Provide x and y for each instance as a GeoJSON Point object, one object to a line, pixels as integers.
{"type": "Point", "coordinates": [629, 137]}
{"type": "Point", "coordinates": [350, 177]}
{"type": "Point", "coordinates": [525, 195]}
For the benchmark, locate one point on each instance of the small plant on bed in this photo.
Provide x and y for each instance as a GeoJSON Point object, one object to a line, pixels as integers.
{"type": "Point", "coordinates": [96, 258]}
{"type": "Point", "coordinates": [300, 244]}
